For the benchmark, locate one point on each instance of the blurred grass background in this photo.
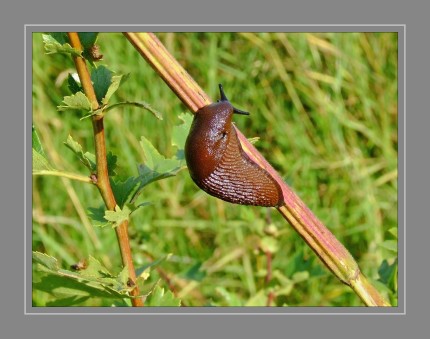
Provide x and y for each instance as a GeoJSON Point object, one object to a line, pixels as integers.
{"type": "Point", "coordinates": [325, 108]}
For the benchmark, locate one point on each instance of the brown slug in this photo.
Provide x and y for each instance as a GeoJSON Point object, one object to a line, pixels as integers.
{"type": "Point", "coordinates": [218, 164]}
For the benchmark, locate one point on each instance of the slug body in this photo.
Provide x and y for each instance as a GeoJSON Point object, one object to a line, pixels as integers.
{"type": "Point", "coordinates": [218, 164]}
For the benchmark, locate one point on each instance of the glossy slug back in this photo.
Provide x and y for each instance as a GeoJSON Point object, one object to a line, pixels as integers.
{"type": "Point", "coordinates": [218, 164]}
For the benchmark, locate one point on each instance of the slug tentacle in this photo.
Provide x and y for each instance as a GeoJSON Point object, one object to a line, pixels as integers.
{"type": "Point", "coordinates": [218, 164]}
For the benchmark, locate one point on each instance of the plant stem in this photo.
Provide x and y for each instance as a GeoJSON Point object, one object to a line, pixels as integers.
{"type": "Point", "coordinates": [68, 175]}
{"type": "Point", "coordinates": [103, 183]}
{"type": "Point", "coordinates": [332, 253]}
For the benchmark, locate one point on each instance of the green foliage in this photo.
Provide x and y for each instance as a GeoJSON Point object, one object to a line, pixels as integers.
{"type": "Point", "coordinates": [76, 101]}
{"type": "Point", "coordinates": [101, 78]}
{"type": "Point", "coordinates": [162, 299]}
{"type": "Point", "coordinates": [88, 39]}
{"type": "Point", "coordinates": [52, 45]}
{"type": "Point", "coordinates": [91, 279]}
{"type": "Point", "coordinates": [73, 84]}
{"type": "Point", "coordinates": [94, 280]}
{"type": "Point", "coordinates": [40, 163]}
{"type": "Point", "coordinates": [118, 216]}
{"type": "Point", "coordinates": [36, 144]}
{"type": "Point", "coordinates": [86, 158]}
{"type": "Point", "coordinates": [324, 107]}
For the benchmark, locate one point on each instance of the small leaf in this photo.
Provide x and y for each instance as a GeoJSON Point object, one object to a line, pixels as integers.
{"type": "Point", "coordinates": [88, 38]}
{"type": "Point", "coordinates": [97, 216]}
{"type": "Point", "coordinates": [160, 298]}
{"type": "Point", "coordinates": [87, 159]}
{"type": "Point", "coordinates": [116, 81]}
{"type": "Point", "coordinates": [77, 101]}
{"type": "Point", "coordinates": [156, 166]}
{"type": "Point", "coordinates": [111, 160]}
{"type": "Point", "coordinates": [124, 191]}
{"type": "Point", "coordinates": [40, 163]}
{"type": "Point", "coordinates": [140, 104]}
{"type": "Point", "coordinates": [180, 133]}
{"type": "Point", "coordinates": [101, 78]}
{"type": "Point", "coordinates": [157, 163]}
{"type": "Point", "coordinates": [36, 144]}
{"type": "Point", "coordinates": [45, 260]}
{"type": "Point", "coordinates": [388, 274]}
{"type": "Point", "coordinates": [118, 216]}
{"type": "Point", "coordinates": [73, 85]}
{"type": "Point", "coordinates": [53, 46]}
{"type": "Point", "coordinates": [61, 37]}
{"type": "Point", "coordinates": [93, 281]}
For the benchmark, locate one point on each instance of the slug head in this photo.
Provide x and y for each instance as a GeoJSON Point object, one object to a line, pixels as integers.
{"type": "Point", "coordinates": [209, 136]}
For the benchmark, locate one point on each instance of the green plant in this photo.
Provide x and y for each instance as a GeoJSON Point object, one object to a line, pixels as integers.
{"type": "Point", "coordinates": [256, 262]}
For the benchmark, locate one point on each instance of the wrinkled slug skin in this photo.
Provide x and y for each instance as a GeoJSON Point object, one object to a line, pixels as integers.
{"type": "Point", "coordinates": [218, 164]}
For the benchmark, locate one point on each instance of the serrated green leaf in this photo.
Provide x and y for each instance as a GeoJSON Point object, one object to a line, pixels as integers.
{"type": "Point", "coordinates": [97, 215]}
{"type": "Point", "coordinates": [87, 159]}
{"type": "Point", "coordinates": [61, 37]}
{"type": "Point", "coordinates": [36, 144]}
{"type": "Point", "coordinates": [73, 85]}
{"type": "Point", "coordinates": [88, 38]}
{"type": "Point", "coordinates": [116, 81]}
{"type": "Point", "coordinates": [53, 46]}
{"type": "Point", "coordinates": [118, 216]}
{"type": "Point", "coordinates": [124, 191]}
{"type": "Point", "coordinates": [180, 133]}
{"type": "Point", "coordinates": [45, 260]}
{"type": "Point", "coordinates": [65, 287]}
{"type": "Point", "coordinates": [93, 281]}
{"type": "Point", "coordinates": [95, 269]}
{"type": "Point", "coordinates": [139, 104]}
{"type": "Point", "coordinates": [160, 298]}
{"type": "Point", "coordinates": [156, 165]}
{"type": "Point", "coordinates": [101, 78]}
{"type": "Point", "coordinates": [77, 101]}
{"type": "Point", "coordinates": [40, 163]}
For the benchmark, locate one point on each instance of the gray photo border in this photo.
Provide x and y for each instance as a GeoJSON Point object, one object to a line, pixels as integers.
{"type": "Point", "coordinates": [400, 309]}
